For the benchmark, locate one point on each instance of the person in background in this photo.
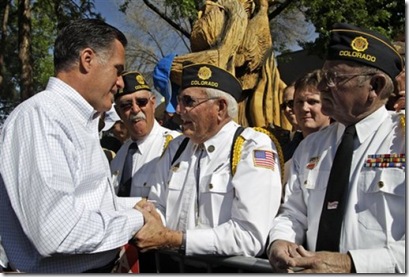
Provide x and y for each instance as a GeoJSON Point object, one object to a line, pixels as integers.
{"type": "Point", "coordinates": [114, 133]}
{"type": "Point", "coordinates": [59, 211]}
{"type": "Point", "coordinates": [135, 105]}
{"type": "Point", "coordinates": [295, 135]}
{"type": "Point", "coordinates": [207, 206]}
{"type": "Point", "coordinates": [307, 104]}
{"type": "Point", "coordinates": [344, 203]}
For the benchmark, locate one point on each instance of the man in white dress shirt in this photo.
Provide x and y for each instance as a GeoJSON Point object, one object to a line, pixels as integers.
{"type": "Point", "coordinates": [370, 223]}
{"type": "Point", "coordinates": [135, 105]}
{"type": "Point", "coordinates": [58, 207]}
{"type": "Point", "coordinates": [208, 207]}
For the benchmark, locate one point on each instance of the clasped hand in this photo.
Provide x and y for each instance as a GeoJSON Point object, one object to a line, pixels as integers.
{"type": "Point", "coordinates": [285, 256]}
{"type": "Point", "coordinates": [151, 235]}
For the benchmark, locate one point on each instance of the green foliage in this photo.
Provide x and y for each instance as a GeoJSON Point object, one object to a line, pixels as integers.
{"type": "Point", "coordinates": [47, 17]}
{"type": "Point", "coordinates": [384, 16]}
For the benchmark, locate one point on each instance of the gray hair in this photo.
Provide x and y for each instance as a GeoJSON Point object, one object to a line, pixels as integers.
{"type": "Point", "coordinates": [232, 106]}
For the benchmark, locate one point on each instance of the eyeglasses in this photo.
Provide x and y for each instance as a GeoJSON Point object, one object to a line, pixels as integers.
{"type": "Point", "coordinates": [333, 78]}
{"type": "Point", "coordinates": [285, 104]}
{"type": "Point", "coordinates": [141, 102]}
{"type": "Point", "coordinates": [189, 102]}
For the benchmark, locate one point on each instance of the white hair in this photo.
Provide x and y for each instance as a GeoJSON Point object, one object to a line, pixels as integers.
{"type": "Point", "coordinates": [232, 106]}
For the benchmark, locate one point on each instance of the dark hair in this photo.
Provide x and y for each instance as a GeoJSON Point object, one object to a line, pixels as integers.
{"type": "Point", "coordinates": [80, 34]}
{"type": "Point", "coordinates": [311, 79]}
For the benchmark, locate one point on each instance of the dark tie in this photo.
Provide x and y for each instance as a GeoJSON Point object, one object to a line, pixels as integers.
{"type": "Point", "coordinates": [336, 195]}
{"type": "Point", "coordinates": [126, 179]}
{"type": "Point", "coordinates": [201, 150]}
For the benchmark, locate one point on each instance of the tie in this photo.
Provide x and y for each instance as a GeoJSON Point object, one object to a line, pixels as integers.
{"type": "Point", "coordinates": [201, 149]}
{"type": "Point", "coordinates": [126, 179]}
{"type": "Point", "coordinates": [333, 208]}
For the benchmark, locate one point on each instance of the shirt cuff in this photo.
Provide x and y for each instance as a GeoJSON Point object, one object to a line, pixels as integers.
{"type": "Point", "coordinates": [200, 242]}
{"type": "Point", "coordinates": [372, 261]}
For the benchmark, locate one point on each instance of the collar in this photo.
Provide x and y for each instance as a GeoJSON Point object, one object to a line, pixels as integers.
{"type": "Point", "coordinates": [367, 126]}
{"type": "Point", "coordinates": [86, 112]}
{"type": "Point", "coordinates": [219, 140]}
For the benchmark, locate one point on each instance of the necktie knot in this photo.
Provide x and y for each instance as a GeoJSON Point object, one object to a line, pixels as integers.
{"type": "Point", "coordinates": [350, 131]}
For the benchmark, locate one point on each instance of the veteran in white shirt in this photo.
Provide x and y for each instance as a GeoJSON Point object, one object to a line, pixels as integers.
{"type": "Point", "coordinates": [214, 198]}
{"type": "Point", "coordinates": [366, 232]}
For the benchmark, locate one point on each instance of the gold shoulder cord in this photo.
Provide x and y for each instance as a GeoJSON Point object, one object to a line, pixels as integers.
{"type": "Point", "coordinates": [168, 138]}
{"type": "Point", "coordinates": [402, 119]}
{"type": "Point", "coordinates": [238, 145]}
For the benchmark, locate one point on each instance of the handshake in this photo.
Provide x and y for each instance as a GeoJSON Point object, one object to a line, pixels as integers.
{"type": "Point", "coordinates": [153, 234]}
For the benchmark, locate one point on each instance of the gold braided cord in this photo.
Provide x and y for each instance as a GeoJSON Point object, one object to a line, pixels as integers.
{"type": "Point", "coordinates": [168, 138]}
{"type": "Point", "coordinates": [238, 145]}
{"type": "Point", "coordinates": [278, 146]}
{"type": "Point", "coordinates": [402, 119]}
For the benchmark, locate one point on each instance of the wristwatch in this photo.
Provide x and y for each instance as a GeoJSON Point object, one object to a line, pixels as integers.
{"type": "Point", "coordinates": [182, 248]}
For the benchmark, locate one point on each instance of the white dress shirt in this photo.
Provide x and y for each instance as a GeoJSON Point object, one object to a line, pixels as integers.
{"type": "Point", "coordinates": [59, 210]}
{"type": "Point", "coordinates": [233, 213]}
{"type": "Point", "coordinates": [374, 229]}
{"type": "Point", "coordinates": [144, 160]}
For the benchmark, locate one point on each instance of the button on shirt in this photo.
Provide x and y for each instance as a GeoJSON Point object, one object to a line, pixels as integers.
{"type": "Point", "coordinates": [144, 160]}
{"type": "Point", "coordinates": [373, 230]}
{"type": "Point", "coordinates": [235, 213]}
{"type": "Point", "coordinates": [59, 210]}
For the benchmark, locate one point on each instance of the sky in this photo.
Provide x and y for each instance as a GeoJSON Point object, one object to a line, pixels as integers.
{"type": "Point", "coordinates": [109, 10]}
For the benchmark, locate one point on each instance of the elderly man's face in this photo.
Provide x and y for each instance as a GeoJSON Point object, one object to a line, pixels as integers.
{"type": "Point", "coordinates": [198, 113]}
{"type": "Point", "coordinates": [137, 111]}
{"type": "Point", "coordinates": [348, 99]}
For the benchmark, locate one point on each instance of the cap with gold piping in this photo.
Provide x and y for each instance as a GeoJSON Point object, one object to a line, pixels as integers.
{"type": "Point", "coordinates": [348, 42]}
{"type": "Point", "coordinates": [133, 81]}
{"type": "Point", "coordinates": [210, 76]}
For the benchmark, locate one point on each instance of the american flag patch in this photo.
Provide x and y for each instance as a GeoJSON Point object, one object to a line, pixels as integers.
{"type": "Point", "coordinates": [263, 158]}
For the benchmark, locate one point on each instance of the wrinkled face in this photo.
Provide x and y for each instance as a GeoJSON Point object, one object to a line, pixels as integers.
{"type": "Point", "coordinates": [288, 105]}
{"type": "Point", "coordinates": [198, 113]}
{"type": "Point", "coordinates": [105, 78]}
{"type": "Point", "coordinates": [137, 111]}
{"type": "Point", "coordinates": [307, 108]}
{"type": "Point", "coordinates": [347, 100]}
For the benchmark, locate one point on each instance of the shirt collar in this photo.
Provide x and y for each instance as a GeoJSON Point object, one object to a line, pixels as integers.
{"type": "Point", "coordinates": [87, 113]}
{"type": "Point", "coordinates": [219, 140]}
{"type": "Point", "coordinates": [367, 126]}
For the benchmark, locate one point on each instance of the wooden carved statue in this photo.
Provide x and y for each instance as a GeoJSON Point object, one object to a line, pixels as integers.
{"type": "Point", "coordinates": [235, 35]}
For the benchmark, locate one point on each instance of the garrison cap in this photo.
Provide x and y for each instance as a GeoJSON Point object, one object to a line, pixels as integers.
{"type": "Point", "coordinates": [210, 76]}
{"type": "Point", "coordinates": [348, 42]}
{"type": "Point", "coordinates": [133, 81]}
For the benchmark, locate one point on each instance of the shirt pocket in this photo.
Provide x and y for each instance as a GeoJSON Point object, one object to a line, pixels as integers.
{"type": "Point", "coordinates": [141, 187]}
{"type": "Point", "coordinates": [381, 199]}
{"type": "Point", "coordinates": [314, 184]}
{"type": "Point", "coordinates": [216, 198]}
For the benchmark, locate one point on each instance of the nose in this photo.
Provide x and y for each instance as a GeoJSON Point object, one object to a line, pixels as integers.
{"type": "Point", "coordinates": [135, 108]}
{"type": "Point", "coordinates": [120, 82]}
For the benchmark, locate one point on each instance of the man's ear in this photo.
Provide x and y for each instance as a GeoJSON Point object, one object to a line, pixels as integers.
{"type": "Point", "coordinates": [86, 57]}
{"type": "Point", "coordinates": [378, 83]}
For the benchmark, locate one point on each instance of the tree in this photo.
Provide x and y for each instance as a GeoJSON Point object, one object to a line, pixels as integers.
{"type": "Point", "coordinates": [384, 16]}
{"type": "Point", "coordinates": [27, 36]}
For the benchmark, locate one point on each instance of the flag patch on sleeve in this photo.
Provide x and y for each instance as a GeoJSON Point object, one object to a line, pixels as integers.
{"type": "Point", "coordinates": [263, 158]}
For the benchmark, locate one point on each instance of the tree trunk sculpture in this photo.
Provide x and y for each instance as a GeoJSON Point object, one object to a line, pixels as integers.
{"type": "Point", "coordinates": [235, 35]}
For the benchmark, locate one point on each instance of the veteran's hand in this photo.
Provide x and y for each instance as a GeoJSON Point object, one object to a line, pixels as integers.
{"type": "Point", "coordinates": [152, 234]}
{"type": "Point", "coordinates": [281, 254]}
{"type": "Point", "coordinates": [322, 262]}
{"type": "Point", "coordinates": [145, 204]}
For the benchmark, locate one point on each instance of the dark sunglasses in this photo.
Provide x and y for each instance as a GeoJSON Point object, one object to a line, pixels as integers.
{"type": "Point", "coordinates": [189, 102]}
{"type": "Point", "coordinates": [141, 102]}
{"type": "Point", "coordinates": [289, 103]}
